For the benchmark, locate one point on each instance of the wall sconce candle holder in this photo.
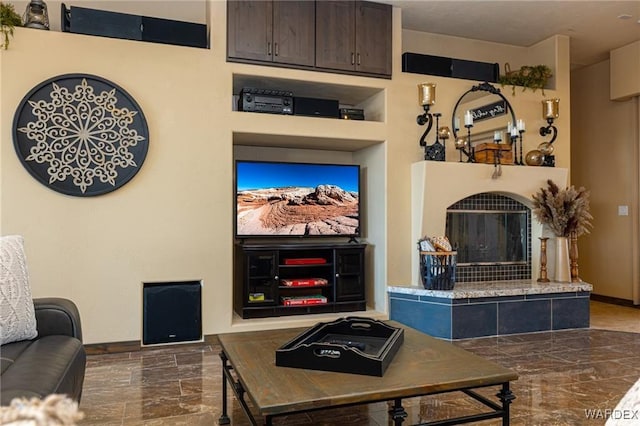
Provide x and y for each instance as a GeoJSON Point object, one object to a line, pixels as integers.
{"type": "Point", "coordinates": [549, 129]}
{"type": "Point", "coordinates": [422, 119]}
{"type": "Point", "coordinates": [427, 97]}
{"type": "Point", "coordinates": [550, 111]}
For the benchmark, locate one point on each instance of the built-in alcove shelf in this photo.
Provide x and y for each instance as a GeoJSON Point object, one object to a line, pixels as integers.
{"type": "Point", "coordinates": [304, 132]}
{"type": "Point", "coordinates": [370, 99]}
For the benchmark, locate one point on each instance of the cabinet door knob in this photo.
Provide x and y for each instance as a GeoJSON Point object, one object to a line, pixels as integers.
{"type": "Point", "coordinates": [269, 48]}
{"type": "Point", "coordinates": [337, 275]}
{"type": "Point", "coordinates": [276, 49]}
{"type": "Point", "coordinates": [358, 59]}
{"type": "Point", "coordinates": [276, 277]}
{"type": "Point", "coordinates": [352, 58]}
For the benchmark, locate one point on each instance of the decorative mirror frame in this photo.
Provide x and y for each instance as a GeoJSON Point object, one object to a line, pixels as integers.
{"type": "Point", "coordinates": [486, 87]}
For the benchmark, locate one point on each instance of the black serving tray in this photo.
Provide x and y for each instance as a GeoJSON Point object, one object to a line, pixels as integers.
{"type": "Point", "coordinates": [348, 345]}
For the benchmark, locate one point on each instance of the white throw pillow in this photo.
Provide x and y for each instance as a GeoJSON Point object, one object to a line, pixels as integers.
{"type": "Point", "coordinates": [17, 315]}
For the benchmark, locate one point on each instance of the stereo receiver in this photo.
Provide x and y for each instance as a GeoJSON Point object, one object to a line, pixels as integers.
{"type": "Point", "coordinates": [266, 100]}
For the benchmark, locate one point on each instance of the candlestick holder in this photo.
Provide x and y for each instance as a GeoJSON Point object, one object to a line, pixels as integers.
{"type": "Point", "coordinates": [514, 145]}
{"type": "Point", "coordinates": [543, 261]}
{"type": "Point", "coordinates": [520, 133]}
{"type": "Point", "coordinates": [472, 151]}
{"type": "Point", "coordinates": [459, 144]}
{"type": "Point", "coordinates": [573, 257]}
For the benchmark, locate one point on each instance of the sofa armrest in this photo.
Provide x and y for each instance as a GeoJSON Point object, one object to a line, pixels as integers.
{"type": "Point", "coordinates": [55, 315]}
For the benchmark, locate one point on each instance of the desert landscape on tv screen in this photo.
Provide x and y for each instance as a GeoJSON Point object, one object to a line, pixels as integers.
{"type": "Point", "coordinates": [291, 200]}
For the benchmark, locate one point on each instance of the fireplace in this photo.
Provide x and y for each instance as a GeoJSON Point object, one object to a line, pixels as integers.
{"type": "Point", "coordinates": [441, 187]}
{"type": "Point", "coordinates": [501, 295]}
{"type": "Point", "coordinates": [492, 235]}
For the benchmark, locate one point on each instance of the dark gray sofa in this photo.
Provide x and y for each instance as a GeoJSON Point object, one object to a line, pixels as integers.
{"type": "Point", "coordinates": [53, 362]}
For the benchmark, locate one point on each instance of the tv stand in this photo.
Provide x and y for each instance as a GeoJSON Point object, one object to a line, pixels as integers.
{"type": "Point", "coordinates": [294, 279]}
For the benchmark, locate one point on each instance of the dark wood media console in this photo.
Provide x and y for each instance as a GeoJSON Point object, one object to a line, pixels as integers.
{"type": "Point", "coordinates": [295, 279]}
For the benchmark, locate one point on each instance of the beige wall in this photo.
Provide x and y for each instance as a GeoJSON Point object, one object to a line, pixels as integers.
{"type": "Point", "coordinates": [625, 72]}
{"type": "Point", "coordinates": [173, 221]}
{"type": "Point", "coordinates": [605, 161]}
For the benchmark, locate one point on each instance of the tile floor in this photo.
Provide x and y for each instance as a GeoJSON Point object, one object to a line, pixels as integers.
{"type": "Point", "coordinates": [562, 375]}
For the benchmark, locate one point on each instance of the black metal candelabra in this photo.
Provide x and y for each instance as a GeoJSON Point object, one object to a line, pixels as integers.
{"type": "Point", "coordinates": [469, 151]}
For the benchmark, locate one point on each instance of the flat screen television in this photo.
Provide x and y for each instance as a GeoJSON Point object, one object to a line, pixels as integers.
{"type": "Point", "coordinates": [277, 199]}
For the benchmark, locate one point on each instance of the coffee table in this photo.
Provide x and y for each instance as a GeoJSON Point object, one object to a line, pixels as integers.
{"type": "Point", "coordinates": [423, 366]}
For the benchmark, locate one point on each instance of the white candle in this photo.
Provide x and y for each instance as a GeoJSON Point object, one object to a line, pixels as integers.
{"type": "Point", "coordinates": [427, 93]}
{"type": "Point", "coordinates": [521, 125]}
{"type": "Point", "coordinates": [550, 108]}
{"type": "Point", "coordinates": [514, 132]}
{"type": "Point", "coordinates": [468, 119]}
{"type": "Point", "coordinates": [509, 127]}
{"type": "Point", "coordinates": [497, 135]}
{"type": "Point", "coordinates": [456, 123]}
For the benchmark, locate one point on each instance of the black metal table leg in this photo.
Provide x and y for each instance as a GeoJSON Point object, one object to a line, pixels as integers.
{"type": "Point", "coordinates": [224, 418]}
{"type": "Point", "coordinates": [397, 412]}
{"type": "Point", "coordinates": [506, 396]}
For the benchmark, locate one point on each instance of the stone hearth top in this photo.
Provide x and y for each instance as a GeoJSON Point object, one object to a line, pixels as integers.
{"type": "Point", "coordinates": [475, 290]}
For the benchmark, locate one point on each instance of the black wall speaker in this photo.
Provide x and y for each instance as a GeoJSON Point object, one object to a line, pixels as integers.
{"type": "Point", "coordinates": [450, 67]}
{"type": "Point", "coordinates": [426, 64]}
{"type": "Point", "coordinates": [172, 312]}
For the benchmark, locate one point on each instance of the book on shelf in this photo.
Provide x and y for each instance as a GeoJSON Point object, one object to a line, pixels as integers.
{"type": "Point", "coordinates": [303, 300]}
{"type": "Point", "coordinates": [304, 282]}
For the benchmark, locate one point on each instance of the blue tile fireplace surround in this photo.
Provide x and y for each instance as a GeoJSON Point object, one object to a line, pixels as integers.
{"type": "Point", "coordinates": [481, 309]}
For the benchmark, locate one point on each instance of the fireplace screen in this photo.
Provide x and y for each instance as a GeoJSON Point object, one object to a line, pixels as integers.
{"type": "Point", "coordinates": [488, 237]}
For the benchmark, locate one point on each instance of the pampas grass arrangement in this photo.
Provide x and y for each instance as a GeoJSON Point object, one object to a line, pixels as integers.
{"type": "Point", "coordinates": [564, 211]}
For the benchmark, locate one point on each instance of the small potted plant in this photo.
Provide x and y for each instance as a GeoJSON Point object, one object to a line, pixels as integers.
{"type": "Point", "coordinates": [532, 77]}
{"type": "Point", "coordinates": [9, 19]}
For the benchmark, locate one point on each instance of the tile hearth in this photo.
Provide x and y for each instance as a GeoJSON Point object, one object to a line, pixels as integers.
{"type": "Point", "coordinates": [492, 308]}
{"type": "Point", "coordinates": [562, 375]}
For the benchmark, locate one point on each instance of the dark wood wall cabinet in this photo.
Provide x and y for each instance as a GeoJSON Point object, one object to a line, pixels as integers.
{"type": "Point", "coordinates": [295, 279]}
{"type": "Point", "coordinates": [82, 20]}
{"type": "Point", "coordinates": [272, 31]}
{"type": "Point", "coordinates": [351, 37]}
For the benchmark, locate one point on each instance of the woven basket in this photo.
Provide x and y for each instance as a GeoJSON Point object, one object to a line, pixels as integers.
{"type": "Point", "coordinates": [438, 269]}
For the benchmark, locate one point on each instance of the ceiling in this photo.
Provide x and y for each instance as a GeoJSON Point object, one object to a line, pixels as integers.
{"type": "Point", "coordinates": [594, 27]}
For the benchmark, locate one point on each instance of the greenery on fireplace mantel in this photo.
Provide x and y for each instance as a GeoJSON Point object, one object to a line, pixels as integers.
{"type": "Point", "coordinates": [9, 19]}
{"type": "Point", "coordinates": [529, 76]}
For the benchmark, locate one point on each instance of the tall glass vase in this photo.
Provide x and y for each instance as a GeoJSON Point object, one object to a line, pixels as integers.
{"type": "Point", "coordinates": [563, 265]}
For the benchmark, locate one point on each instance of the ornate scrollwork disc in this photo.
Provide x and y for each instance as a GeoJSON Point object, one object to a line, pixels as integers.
{"type": "Point", "coordinates": [80, 135]}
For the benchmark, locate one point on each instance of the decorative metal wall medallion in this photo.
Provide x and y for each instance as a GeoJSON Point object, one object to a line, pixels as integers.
{"type": "Point", "coordinates": [80, 135]}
